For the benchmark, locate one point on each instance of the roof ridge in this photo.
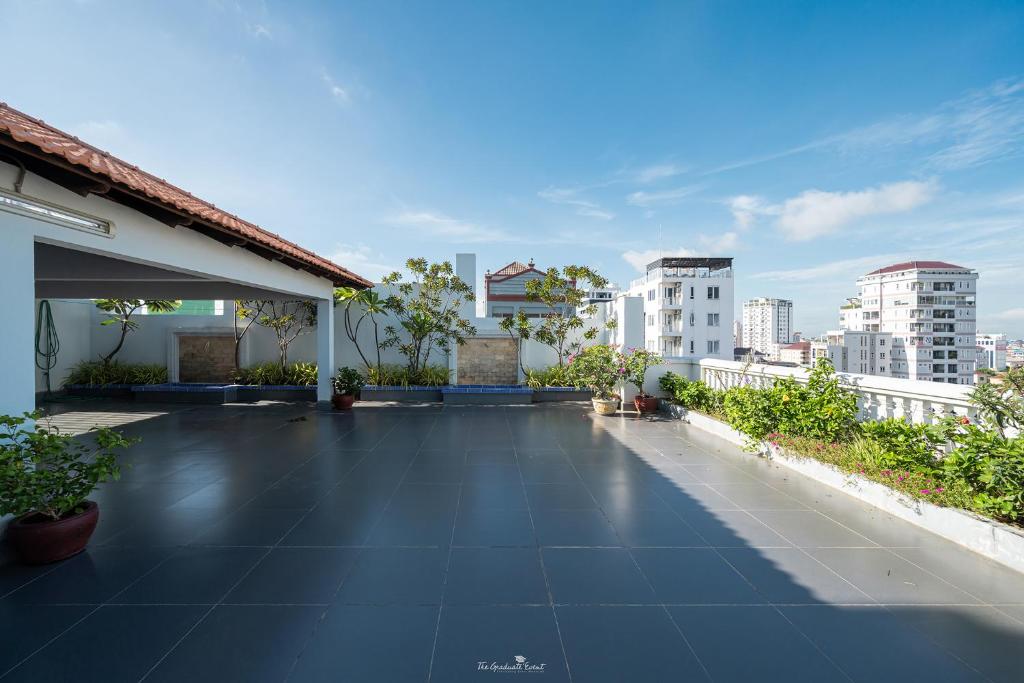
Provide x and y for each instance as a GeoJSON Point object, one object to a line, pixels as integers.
{"type": "Point", "coordinates": [13, 121]}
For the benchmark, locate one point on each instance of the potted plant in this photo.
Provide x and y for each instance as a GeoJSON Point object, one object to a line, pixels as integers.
{"type": "Point", "coordinates": [345, 385]}
{"type": "Point", "coordinates": [598, 369]}
{"type": "Point", "coordinates": [636, 362]}
{"type": "Point", "coordinates": [45, 480]}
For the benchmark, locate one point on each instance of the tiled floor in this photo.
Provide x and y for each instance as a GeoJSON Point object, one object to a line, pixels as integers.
{"type": "Point", "coordinates": [252, 543]}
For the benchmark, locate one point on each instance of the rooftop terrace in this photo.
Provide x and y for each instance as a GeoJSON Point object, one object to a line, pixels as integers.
{"type": "Point", "coordinates": [276, 542]}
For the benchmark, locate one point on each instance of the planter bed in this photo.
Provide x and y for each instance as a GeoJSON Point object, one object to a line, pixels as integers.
{"type": "Point", "coordinates": [996, 541]}
{"type": "Point", "coordinates": [275, 392]}
{"type": "Point", "coordinates": [417, 394]}
{"type": "Point", "coordinates": [216, 394]}
{"type": "Point", "coordinates": [100, 390]}
{"type": "Point", "coordinates": [546, 394]}
{"type": "Point", "coordinates": [487, 394]}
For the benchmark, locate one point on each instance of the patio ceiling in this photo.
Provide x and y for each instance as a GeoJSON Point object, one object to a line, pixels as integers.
{"type": "Point", "coordinates": [71, 273]}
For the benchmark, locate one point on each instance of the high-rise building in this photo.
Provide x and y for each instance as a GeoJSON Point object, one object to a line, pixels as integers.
{"type": "Point", "coordinates": [737, 333]}
{"type": "Point", "coordinates": [688, 306]}
{"type": "Point", "coordinates": [767, 324]}
{"type": "Point", "coordinates": [992, 351]}
{"type": "Point", "coordinates": [929, 307]}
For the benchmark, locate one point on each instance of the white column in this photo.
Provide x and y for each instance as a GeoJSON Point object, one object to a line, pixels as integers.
{"type": "Point", "coordinates": [17, 364]}
{"type": "Point", "coordinates": [324, 349]}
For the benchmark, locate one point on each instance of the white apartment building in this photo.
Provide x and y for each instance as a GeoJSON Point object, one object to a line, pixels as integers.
{"type": "Point", "coordinates": [601, 295]}
{"type": "Point", "coordinates": [688, 307]}
{"type": "Point", "coordinates": [767, 324]}
{"type": "Point", "coordinates": [865, 353]}
{"type": "Point", "coordinates": [851, 314]}
{"type": "Point", "coordinates": [929, 307]}
{"type": "Point", "coordinates": [992, 351]}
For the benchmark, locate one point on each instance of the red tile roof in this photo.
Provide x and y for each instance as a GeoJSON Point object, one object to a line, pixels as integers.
{"type": "Point", "coordinates": [25, 129]}
{"type": "Point", "coordinates": [798, 346]}
{"type": "Point", "coordinates": [514, 268]}
{"type": "Point", "coordinates": [917, 265]}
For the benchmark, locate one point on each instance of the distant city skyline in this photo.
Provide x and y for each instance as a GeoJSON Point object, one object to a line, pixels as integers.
{"type": "Point", "coordinates": [811, 143]}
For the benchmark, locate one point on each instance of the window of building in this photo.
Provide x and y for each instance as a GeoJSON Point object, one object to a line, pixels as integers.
{"type": "Point", "coordinates": [650, 321]}
{"type": "Point", "coordinates": [713, 319]}
{"type": "Point", "coordinates": [691, 292]}
{"type": "Point", "coordinates": [691, 346]}
{"type": "Point", "coordinates": [693, 320]}
{"type": "Point", "coordinates": [712, 345]}
{"type": "Point", "coordinates": [650, 294]}
{"type": "Point", "coordinates": [713, 292]}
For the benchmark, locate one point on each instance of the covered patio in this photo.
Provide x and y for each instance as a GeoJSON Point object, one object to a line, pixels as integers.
{"type": "Point", "coordinates": [275, 542]}
{"type": "Point", "coordinates": [79, 223]}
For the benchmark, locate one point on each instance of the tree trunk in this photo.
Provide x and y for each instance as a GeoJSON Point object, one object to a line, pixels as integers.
{"type": "Point", "coordinates": [110, 356]}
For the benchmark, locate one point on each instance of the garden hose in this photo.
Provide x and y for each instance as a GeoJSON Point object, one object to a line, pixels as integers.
{"type": "Point", "coordinates": [47, 342]}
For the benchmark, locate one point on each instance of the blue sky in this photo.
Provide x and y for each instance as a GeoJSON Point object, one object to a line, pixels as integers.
{"type": "Point", "coordinates": [813, 142]}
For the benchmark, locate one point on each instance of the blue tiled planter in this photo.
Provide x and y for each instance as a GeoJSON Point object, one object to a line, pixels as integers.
{"type": "Point", "coordinates": [416, 394]}
{"type": "Point", "coordinates": [548, 394]}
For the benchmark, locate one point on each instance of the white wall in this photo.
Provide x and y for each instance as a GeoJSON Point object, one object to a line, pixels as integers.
{"type": "Point", "coordinates": [72, 318]}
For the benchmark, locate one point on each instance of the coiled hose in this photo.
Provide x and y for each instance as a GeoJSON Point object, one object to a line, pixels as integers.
{"type": "Point", "coordinates": [47, 341]}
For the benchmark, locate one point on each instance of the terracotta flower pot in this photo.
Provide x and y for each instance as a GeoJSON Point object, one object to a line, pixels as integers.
{"type": "Point", "coordinates": [605, 406]}
{"type": "Point", "coordinates": [39, 540]}
{"type": "Point", "coordinates": [343, 401]}
{"type": "Point", "coordinates": [646, 404]}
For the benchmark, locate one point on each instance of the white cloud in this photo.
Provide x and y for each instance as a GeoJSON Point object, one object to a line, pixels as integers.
{"type": "Point", "coordinates": [340, 94]}
{"type": "Point", "coordinates": [362, 260]}
{"type": "Point", "coordinates": [845, 269]}
{"type": "Point", "coordinates": [258, 31]}
{"type": "Point", "coordinates": [640, 259]}
{"type": "Point", "coordinates": [656, 172]}
{"type": "Point", "coordinates": [663, 197]}
{"type": "Point", "coordinates": [440, 225]}
{"type": "Point", "coordinates": [746, 208]}
{"type": "Point", "coordinates": [719, 245]}
{"type": "Point", "coordinates": [1010, 314]}
{"type": "Point", "coordinates": [569, 197]}
{"type": "Point", "coordinates": [979, 127]}
{"type": "Point", "coordinates": [815, 213]}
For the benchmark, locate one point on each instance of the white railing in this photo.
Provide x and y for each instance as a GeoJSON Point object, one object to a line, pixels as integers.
{"type": "Point", "coordinates": [878, 398]}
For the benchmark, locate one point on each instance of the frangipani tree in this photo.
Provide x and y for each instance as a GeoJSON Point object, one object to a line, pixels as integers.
{"type": "Point", "coordinates": [428, 308]}
{"type": "Point", "coordinates": [288, 319]}
{"type": "Point", "coordinates": [561, 292]}
{"type": "Point", "coordinates": [360, 305]}
{"type": "Point", "coordinates": [120, 311]}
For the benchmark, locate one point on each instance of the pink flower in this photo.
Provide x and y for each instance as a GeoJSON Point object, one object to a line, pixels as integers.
{"type": "Point", "coordinates": [925, 491]}
{"type": "Point", "coordinates": [939, 489]}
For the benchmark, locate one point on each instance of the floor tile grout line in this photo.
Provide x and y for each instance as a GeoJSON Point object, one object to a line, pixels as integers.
{"type": "Point", "coordinates": [252, 567]}
{"type": "Point", "coordinates": [130, 584]}
{"type": "Point", "coordinates": [540, 553]}
{"type": "Point", "coordinates": [643, 574]}
{"type": "Point", "coordinates": [444, 580]}
{"type": "Point", "coordinates": [877, 546]}
{"type": "Point", "coordinates": [369, 532]}
{"type": "Point", "coordinates": [778, 611]}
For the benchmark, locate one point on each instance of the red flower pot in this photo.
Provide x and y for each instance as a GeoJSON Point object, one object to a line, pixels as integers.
{"type": "Point", "coordinates": [646, 404]}
{"type": "Point", "coordinates": [39, 540]}
{"type": "Point", "coordinates": [343, 401]}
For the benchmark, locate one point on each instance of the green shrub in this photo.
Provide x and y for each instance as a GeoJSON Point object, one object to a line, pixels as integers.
{"type": "Point", "coordinates": [347, 382]}
{"type": "Point", "coordinates": [272, 374]}
{"type": "Point", "coordinates": [693, 395]}
{"type": "Point", "coordinates": [97, 373]}
{"type": "Point", "coordinates": [401, 376]}
{"type": "Point", "coordinates": [992, 467]}
{"type": "Point", "coordinates": [598, 368]}
{"type": "Point", "coordinates": [49, 473]}
{"type": "Point", "coordinates": [554, 376]}
{"type": "Point", "coordinates": [904, 446]}
{"type": "Point", "coordinates": [821, 409]}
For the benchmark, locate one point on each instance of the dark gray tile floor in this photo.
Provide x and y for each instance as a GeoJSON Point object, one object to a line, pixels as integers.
{"type": "Point", "coordinates": [276, 542]}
